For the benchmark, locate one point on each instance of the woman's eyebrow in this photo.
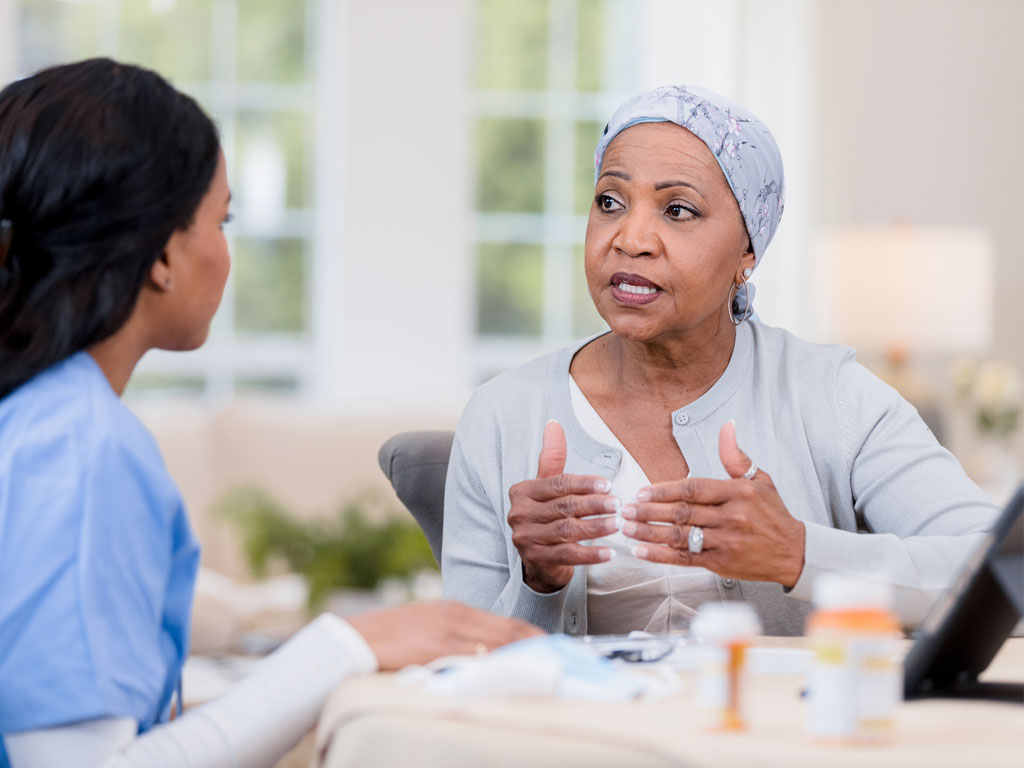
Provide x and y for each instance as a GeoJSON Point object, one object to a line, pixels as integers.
{"type": "Point", "coordinates": [617, 174]}
{"type": "Point", "coordinates": [668, 184]}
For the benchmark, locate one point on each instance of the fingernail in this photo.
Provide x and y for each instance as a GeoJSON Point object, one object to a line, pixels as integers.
{"type": "Point", "coordinates": [629, 528]}
{"type": "Point", "coordinates": [607, 554]}
{"type": "Point", "coordinates": [640, 552]}
{"type": "Point", "coordinates": [618, 520]}
{"type": "Point", "coordinates": [611, 524]}
{"type": "Point", "coordinates": [550, 421]}
{"type": "Point", "coordinates": [629, 511]}
{"type": "Point", "coordinates": [644, 494]}
{"type": "Point", "coordinates": [613, 504]}
{"type": "Point", "coordinates": [731, 421]}
{"type": "Point", "coordinates": [603, 486]}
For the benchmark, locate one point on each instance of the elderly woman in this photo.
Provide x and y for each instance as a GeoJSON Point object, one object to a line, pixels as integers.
{"type": "Point", "coordinates": [693, 453]}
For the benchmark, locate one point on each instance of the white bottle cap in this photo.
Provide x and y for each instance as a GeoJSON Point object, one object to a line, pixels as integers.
{"type": "Point", "coordinates": [725, 621]}
{"type": "Point", "coordinates": [836, 591]}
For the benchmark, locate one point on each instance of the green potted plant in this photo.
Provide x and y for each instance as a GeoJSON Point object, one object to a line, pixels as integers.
{"type": "Point", "coordinates": [349, 550]}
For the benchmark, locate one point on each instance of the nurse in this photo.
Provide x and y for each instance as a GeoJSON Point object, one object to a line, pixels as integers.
{"type": "Point", "coordinates": [113, 198]}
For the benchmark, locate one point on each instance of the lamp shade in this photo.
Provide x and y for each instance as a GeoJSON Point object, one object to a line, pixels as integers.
{"type": "Point", "coordinates": [923, 290]}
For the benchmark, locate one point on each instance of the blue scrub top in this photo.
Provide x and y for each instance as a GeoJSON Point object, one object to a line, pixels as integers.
{"type": "Point", "coordinates": [97, 559]}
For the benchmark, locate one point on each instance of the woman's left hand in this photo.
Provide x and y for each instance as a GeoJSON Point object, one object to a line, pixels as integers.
{"type": "Point", "coordinates": [748, 532]}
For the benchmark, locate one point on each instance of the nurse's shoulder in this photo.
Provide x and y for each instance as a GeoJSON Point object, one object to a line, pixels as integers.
{"type": "Point", "coordinates": [66, 420]}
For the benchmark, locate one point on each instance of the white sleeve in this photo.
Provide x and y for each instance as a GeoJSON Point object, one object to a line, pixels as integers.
{"type": "Point", "coordinates": [82, 745]}
{"type": "Point", "coordinates": [251, 726]}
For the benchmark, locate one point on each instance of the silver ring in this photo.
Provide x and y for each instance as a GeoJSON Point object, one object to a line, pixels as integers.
{"type": "Point", "coordinates": [749, 474]}
{"type": "Point", "coordinates": [696, 539]}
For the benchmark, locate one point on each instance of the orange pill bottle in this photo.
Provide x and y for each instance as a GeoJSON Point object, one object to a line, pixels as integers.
{"type": "Point", "coordinates": [855, 681]}
{"type": "Point", "coordinates": [725, 632]}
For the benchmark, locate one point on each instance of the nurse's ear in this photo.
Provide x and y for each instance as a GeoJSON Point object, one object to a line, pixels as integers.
{"type": "Point", "coordinates": [160, 274]}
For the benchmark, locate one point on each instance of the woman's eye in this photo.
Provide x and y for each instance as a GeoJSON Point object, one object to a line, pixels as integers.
{"type": "Point", "coordinates": [607, 203]}
{"type": "Point", "coordinates": [679, 211]}
{"type": "Point", "coordinates": [227, 220]}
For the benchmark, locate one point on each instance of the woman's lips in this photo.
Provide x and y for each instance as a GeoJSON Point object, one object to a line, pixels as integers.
{"type": "Point", "coordinates": [633, 290]}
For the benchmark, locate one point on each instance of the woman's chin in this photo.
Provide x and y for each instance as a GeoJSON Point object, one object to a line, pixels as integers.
{"type": "Point", "coordinates": [187, 342]}
{"type": "Point", "coordinates": [633, 329]}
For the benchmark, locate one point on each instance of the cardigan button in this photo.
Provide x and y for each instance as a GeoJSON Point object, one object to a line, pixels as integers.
{"type": "Point", "coordinates": [727, 583]}
{"type": "Point", "coordinates": [681, 419]}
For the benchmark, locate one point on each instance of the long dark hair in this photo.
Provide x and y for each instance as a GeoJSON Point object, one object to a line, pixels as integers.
{"type": "Point", "coordinates": [100, 162]}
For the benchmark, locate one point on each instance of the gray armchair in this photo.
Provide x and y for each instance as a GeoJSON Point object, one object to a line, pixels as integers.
{"type": "Point", "coordinates": [416, 464]}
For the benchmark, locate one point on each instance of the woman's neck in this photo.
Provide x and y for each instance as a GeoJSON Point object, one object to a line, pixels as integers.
{"type": "Point", "coordinates": [675, 369]}
{"type": "Point", "coordinates": [118, 355]}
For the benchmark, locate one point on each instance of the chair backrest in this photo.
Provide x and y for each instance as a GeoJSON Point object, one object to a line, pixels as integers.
{"type": "Point", "coordinates": [416, 464]}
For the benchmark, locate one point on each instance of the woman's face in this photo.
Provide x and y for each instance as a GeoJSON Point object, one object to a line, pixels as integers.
{"type": "Point", "coordinates": [665, 239]}
{"type": "Point", "coordinates": [196, 266]}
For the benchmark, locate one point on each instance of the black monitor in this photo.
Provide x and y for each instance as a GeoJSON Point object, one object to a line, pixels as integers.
{"type": "Point", "coordinates": [964, 631]}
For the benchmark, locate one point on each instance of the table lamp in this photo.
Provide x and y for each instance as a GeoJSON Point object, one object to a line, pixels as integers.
{"type": "Point", "coordinates": [899, 292]}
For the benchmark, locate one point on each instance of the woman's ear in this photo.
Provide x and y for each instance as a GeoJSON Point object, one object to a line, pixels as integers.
{"type": "Point", "coordinates": [160, 273]}
{"type": "Point", "coordinates": [746, 263]}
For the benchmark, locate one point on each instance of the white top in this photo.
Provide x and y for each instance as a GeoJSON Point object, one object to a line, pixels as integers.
{"type": "Point", "coordinates": [626, 593]}
{"type": "Point", "coordinates": [251, 726]}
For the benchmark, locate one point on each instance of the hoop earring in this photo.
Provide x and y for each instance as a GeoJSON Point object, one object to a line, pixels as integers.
{"type": "Point", "coordinates": [746, 310]}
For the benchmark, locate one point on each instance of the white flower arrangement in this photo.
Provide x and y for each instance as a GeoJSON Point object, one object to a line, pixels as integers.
{"type": "Point", "coordinates": [992, 392]}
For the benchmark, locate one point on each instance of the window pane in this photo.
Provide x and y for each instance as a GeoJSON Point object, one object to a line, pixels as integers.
{"type": "Point", "coordinates": [272, 171]}
{"type": "Point", "coordinates": [587, 135]}
{"type": "Point", "coordinates": [55, 32]}
{"type": "Point", "coordinates": [509, 288]}
{"type": "Point", "coordinates": [585, 319]}
{"type": "Point", "coordinates": [590, 44]}
{"type": "Point", "coordinates": [171, 37]}
{"type": "Point", "coordinates": [270, 285]}
{"type": "Point", "coordinates": [512, 42]}
{"type": "Point", "coordinates": [271, 41]}
{"type": "Point", "coordinates": [511, 163]}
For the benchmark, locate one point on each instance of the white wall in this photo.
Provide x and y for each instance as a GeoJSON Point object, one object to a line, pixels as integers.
{"type": "Point", "coordinates": [397, 274]}
{"type": "Point", "coordinates": [919, 108]}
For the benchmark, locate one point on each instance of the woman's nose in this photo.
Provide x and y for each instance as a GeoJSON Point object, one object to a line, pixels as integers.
{"type": "Point", "coordinates": [636, 235]}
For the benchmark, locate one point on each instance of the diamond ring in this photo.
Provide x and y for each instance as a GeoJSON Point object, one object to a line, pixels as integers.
{"type": "Point", "coordinates": [749, 474]}
{"type": "Point", "coordinates": [696, 539]}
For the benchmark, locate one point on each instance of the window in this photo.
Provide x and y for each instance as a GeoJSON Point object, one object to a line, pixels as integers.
{"type": "Point", "coordinates": [545, 85]}
{"type": "Point", "coordinates": [251, 64]}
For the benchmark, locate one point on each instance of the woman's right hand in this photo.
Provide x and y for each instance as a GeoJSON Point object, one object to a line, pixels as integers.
{"type": "Point", "coordinates": [551, 514]}
{"type": "Point", "coordinates": [422, 632]}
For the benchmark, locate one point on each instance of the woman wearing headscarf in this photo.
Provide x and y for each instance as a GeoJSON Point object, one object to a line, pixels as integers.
{"type": "Point", "coordinates": [693, 453]}
{"type": "Point", "coordinates": [113, 198]}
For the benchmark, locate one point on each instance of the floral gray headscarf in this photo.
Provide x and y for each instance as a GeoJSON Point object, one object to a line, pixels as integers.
{"type": "Point", "coordinates": [744, 147]}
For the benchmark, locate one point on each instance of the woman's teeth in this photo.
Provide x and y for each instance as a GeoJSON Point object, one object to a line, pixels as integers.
{"type": "Point", "coordinates": [639, 289]}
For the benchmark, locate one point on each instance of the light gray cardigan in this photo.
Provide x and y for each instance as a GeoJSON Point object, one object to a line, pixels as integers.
{"type": "Point", "coordinates": [843, 448]}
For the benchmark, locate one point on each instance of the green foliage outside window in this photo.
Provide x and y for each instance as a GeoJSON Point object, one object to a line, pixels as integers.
{"type": "Point", "coordinates": [510, 285]}
{"type": "Point", "coordinates": [271, 41]}
{"type": "Point", "coordinates": [175, 43]}
{"type": "Point", "coordinates": [270, 280]}
{"type": "Point", "coordinates": [590, 45]}
{"type": "Point", "coordinates": [512, 44]}
{"type": "Point", "coordinates": [347, 550]}
{"type": "Point", "coordinates": [511, 165]}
